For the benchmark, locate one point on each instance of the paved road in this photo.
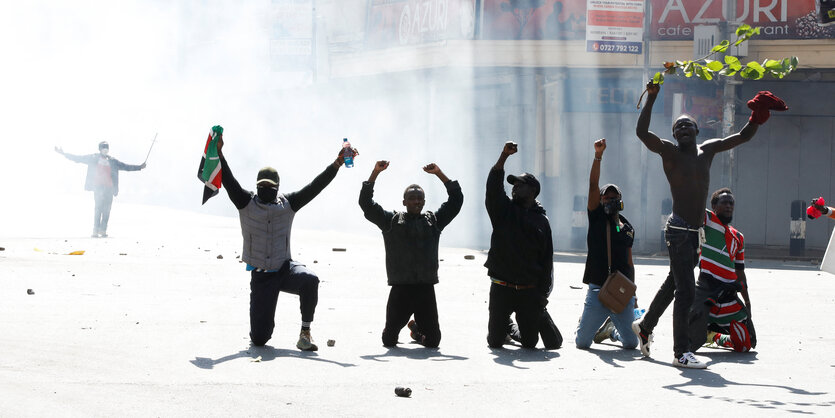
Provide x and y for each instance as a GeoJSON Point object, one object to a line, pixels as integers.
{"type": "Point", "coordinates": [151, 322]}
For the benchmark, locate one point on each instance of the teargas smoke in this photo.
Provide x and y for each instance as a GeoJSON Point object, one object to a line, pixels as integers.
{"type": "Point", "coordinates": [404, 81]}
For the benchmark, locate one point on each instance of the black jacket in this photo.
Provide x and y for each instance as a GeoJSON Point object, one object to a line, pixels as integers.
{"type": "Point", "coordinates": [521, 250]}
{"type": "Point", "coordinates": [411, 241]}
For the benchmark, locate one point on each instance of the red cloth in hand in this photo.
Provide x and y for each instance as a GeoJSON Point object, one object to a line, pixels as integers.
{"type": "Point", "coordinates": [762, 103]}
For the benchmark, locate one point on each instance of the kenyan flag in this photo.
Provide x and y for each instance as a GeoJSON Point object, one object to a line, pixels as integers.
{"type": "Point", "coordinates": [209, 170]}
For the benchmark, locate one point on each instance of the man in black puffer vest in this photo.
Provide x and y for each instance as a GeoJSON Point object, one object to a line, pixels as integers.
{"type": "Point", "coordinates": [520, 262]}
{"type": "Point", "coordinates": [411, 240]}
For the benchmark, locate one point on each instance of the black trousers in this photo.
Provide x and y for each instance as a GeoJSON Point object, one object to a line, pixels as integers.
{"type": "Point", "coordinates": [683, 248]}
{"type": "Point", "coordinates": [104, 201]}
{"type": "Point", "coordinates": [264, 288]}
{"type": "Point", "coordinates": [405, 300]}
{"type": "Point", "coordinates": [531, 317]}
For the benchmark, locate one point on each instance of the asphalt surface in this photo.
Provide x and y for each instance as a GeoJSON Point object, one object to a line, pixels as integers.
{"type": "Point", "coordinates": [152, 322]}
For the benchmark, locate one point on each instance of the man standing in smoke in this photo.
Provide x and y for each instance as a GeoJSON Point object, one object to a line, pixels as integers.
{"type": "Point", "coordinates": [103, 181]}
{"type": "Point", "coordinates": [266, 223]}
{"type": "Point", "coordinates": [520, 262]}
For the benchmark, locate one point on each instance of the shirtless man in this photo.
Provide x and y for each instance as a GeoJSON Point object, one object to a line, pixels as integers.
{"type": "Point", "coordinates": [687, 167]}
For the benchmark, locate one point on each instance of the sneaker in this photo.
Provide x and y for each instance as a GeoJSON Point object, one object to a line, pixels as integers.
{"type": "Point", "coordinates": [689, 361]}
{"type": "Point", "coordinates": [646, 339]}
{"type": "Point", "coordinates": [306, 342]}
{"type": "Point", "coordinates": [605, 331]}
{"type": "Point", "coordinates": [414, 333]}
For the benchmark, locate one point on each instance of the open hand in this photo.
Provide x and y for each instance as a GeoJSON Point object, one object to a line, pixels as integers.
{"type": "Point", "coordinates": [59, 150]}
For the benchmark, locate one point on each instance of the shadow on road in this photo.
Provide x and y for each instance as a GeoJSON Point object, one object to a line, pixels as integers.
{"type": "Point", "coordinates": [420, 353]}
{"type": "Point", "coordinates": [507, 357]}
{"type": "Point", "coordinates": [265, 353]}
{"type": "Point", "coordinates": [707, 378]}
{"type": "Point", "coordinates": [621, 355]}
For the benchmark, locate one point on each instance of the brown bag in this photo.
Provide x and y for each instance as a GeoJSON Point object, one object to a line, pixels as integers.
{"type": "Point", "coordinates": [617, 290]}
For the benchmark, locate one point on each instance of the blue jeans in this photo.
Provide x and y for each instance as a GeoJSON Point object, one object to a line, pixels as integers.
{"type": "Point", "coordinates": [594, 314]}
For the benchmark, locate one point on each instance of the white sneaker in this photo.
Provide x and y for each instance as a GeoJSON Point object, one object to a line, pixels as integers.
{"type": "Point", "coordinates": [644, 340]}
{"type": "Point", "coordinates": [688, 360]}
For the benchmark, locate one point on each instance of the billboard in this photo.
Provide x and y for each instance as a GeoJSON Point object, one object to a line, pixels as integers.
{"type": "Point", "coordinates": [615, 26]}
{"type": "Point", "coordinates": [779, 19]}
{"type": "Point", "coordinates": [393, 23]}
{"type": "Point", "coordinates": [533, 19]}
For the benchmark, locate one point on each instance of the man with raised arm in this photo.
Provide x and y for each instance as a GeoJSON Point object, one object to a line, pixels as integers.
{"type": "Point", "coordinates": [411, 239]}
{"type": "Point", "coordinates": [520, 262]}
{"type": "Point", "coordinates": [687, 167]}
{"type": "Point", "coordinates": [266, 222]}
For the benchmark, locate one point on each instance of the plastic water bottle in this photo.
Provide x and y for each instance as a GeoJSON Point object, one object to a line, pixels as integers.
{"type": "Point", "coordinates": [639, 312]}
{"type": "Point", "coordinates": [347, 153]}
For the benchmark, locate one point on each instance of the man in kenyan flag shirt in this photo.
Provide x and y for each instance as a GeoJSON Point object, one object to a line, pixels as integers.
{"type": "Point", "coordinates": [717, 312]}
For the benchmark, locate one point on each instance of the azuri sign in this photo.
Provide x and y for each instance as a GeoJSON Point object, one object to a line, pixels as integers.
{"type": "Point", "coordinates": [675, 19]}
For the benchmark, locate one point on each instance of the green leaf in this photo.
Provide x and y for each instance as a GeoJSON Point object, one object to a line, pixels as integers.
{"type": "Point", "coordinates": [794, 62]}
{"type": "Point", "coordinates": [703, 73]}
{"type": "Point", "coordinates": [689, 67]}
{"type": "Point", "coordinates": [714, 65]}
{"type": "Point", "coordinates": [727, 72]}
{"type": "Point", "coordinates": [755, 65]}
{"type": "Point", "coordinates": [742, 29]}
{"type": "Point", "coordinates": [756, 31]}
{"type": "Point", "coordinates": [773, 65]}
{"type": "Point", "coordinates": [658, 78]}
{"type": "Point", "coordinates": [733, 62]}
{"type": "Point", "coordinates": [722, 47]}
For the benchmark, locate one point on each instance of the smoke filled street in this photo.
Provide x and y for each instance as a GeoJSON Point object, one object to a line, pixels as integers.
{"type": "Point", "coordinates": [152, 322]}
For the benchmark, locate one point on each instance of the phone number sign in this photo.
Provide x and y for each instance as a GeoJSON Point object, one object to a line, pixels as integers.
{"type": "Point", "coordinates": [615, 26]}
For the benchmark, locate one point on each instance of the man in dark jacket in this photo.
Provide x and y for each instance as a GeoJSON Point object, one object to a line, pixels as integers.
{"type": "Point", "coordinates": [266, 222]}
{"type": "Point", "coordinates": [520, 261]}
{"type": "Point", "coordinates": [411, 240]}
{"type": "Point", "coordinates": [103, 181]}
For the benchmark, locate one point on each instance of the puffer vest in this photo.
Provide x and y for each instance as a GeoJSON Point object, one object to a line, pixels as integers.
{"type": "Point", "coordinates": [266, 232]}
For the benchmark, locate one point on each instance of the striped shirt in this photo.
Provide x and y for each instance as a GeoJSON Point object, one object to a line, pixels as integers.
{"type": "Point", "coordinates": [722, 249]}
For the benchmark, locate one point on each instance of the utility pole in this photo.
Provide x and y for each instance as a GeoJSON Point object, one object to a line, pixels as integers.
{"type": "Point", "coordinates": [728, 30]}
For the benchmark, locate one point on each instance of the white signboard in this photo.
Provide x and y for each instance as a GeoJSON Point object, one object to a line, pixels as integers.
{"type": "Point", "coordinates": [615, 26]}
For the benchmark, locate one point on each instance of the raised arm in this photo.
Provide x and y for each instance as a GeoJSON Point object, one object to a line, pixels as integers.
{"type": "Point", "coordinates": [651, 140]}
{"type": "Point", "coordinates": [302, 197]}
{"type": "Point", "coordinates": [85, 159]}
{"type": "Point", "coordinates": [594, 176]}
{"type": "Point", "coordinates": [496, 199]}
{"type": "Point", "coordinates": [718, 145]}
{"type": "Point", "coordinates": [371, 209]}
{"type": "Point", "coordinates": [449, 209]}
{"type": "Point", "coordinates": [239, 197]}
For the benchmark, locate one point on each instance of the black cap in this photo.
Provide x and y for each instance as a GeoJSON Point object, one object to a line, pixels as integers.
{"type": "Point", "coordinates": [268, 175]}
{"type": "Point", "coordinates": [606, 188]}
{"type": "Point", "coordinates": [526, 178]}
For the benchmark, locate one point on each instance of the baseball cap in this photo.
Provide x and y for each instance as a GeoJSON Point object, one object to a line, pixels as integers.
{"type": "Point", "coordinates": [268, 175]}
{"type": "Point", "coordinates": [526, 178]}
{"type": "Point", "coordinates": [606, 188]}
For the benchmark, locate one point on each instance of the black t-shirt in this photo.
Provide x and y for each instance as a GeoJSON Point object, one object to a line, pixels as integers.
{"type": "Point", "coordinates": [596, 260]}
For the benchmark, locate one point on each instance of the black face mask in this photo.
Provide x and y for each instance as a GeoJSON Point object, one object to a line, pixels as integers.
{"type": "Point", "coordinates": [267, 194]}
{"type": "Point", "coordinates": [612, 207]}
{"type": "Point", "coordinates": [725, 219]}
